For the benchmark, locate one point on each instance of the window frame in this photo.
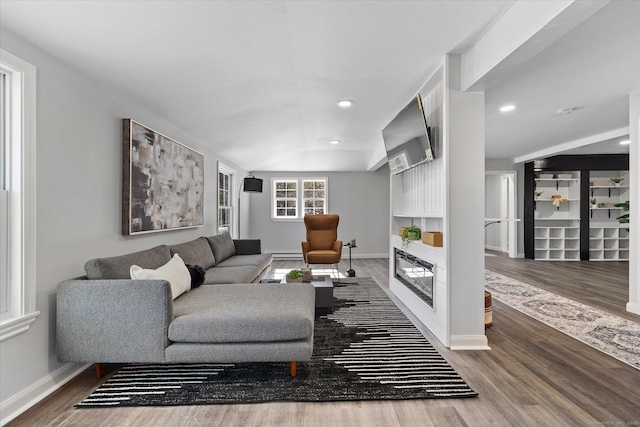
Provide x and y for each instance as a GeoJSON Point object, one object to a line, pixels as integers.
{"type": "Point", "coordinates": [304, 199]}
{"type": "Point", "coordinates": [232, 174]}
{"type": "Point", "coordinates": [299, 197]}
{"type": "Point", "coordinates": [275, 199]}
{"type": "Point", "coordinates": [20, 128]}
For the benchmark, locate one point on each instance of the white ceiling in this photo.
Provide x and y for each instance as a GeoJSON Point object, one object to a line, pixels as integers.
{"type": "Point", "coordinates": [258, 82]}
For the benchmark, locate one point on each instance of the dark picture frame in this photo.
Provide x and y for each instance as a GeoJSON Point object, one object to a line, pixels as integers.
{"type": "Point", "coordinates": [162, 182]}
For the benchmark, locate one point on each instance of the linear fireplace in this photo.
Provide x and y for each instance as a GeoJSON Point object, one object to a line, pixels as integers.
{"type": "Point", "coordinates": [416, 274]}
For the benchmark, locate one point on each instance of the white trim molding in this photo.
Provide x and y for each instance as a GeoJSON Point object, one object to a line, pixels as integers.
{"type": "Point", "coordinates": [17, 326]}
{"type": "Point", "coordinates": [17, 404]}
{"type": "Point", "coordinates": [469, 342]}
{"type": "Point", "coordinates": [22, 287]}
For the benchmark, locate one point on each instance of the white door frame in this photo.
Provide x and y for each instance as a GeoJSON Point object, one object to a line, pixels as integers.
{"type": "Point", "coordinates": [509, 200]}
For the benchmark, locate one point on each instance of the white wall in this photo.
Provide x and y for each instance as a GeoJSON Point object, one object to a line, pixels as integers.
{"type": "Point", "coordinates": [78, 196]}
{"type": "Point", "coordinates": [464, 216]}
{"type": "Point", "coordinates": [360, 198]}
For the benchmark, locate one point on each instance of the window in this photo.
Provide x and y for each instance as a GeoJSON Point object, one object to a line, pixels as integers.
{"type": "Point", "coordinates": [285, 199]}
{"type": "Point", "coordinates": [290, 203]}
{"type": "Point", "coordinates": [17, 196]}
{"type": "Point", "coordinates": [226, 177]}
{"type": "Point", "coordinates": [313, 196]}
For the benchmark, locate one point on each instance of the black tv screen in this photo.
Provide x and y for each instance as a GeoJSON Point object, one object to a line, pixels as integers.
{"type": "Point", "coordinates": [407, 138]}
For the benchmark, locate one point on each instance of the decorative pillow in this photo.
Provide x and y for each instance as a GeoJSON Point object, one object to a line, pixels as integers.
{"type": "Point", "coordinates": [175, 272]}
{"type": "Point", "coordinates": [197, 275]}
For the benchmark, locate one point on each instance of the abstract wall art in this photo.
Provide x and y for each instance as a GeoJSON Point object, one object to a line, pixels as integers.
{"type": "Point", "coordinates": [162, 182]}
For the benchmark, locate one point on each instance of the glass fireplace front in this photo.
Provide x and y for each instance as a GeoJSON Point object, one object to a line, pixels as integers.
{"type": "Point", "coordinates": [416, 274]}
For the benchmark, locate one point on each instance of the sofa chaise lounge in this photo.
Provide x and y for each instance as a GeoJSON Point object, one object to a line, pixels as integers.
{"type": "Point", "coordinates": [107, 317]}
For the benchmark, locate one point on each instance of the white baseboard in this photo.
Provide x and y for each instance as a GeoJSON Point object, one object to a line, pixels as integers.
{"type": "Point", "coordinates": [17, 404]}
{"type": "Point", "coordinates": [469, 342]}
{"type": "Point", "coordinates": [632, 307]}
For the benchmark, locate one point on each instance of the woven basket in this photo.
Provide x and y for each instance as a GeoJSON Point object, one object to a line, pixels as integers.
{"type": "Point", "coordinates": [488, 309]}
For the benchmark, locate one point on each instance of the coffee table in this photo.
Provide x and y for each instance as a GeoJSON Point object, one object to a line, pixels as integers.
{"type": "Point", "coordinates": [321, 282]}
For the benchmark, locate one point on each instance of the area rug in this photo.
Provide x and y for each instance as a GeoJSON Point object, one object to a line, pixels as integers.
{"type": "Point", "coordinates": [606, 332]}
{"type": "Point", "coordinates": [364, 349]}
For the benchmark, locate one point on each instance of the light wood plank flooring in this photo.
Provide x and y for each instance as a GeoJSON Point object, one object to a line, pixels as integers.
{"type": "Point", "coordinates": [533, 376]}
{"type": "Point", "coordinates": [601, 284]}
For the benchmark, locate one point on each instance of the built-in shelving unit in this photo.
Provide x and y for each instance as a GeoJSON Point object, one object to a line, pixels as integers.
{"type": "Point", "coordinates": [608, 244]}
{"type": "Point", "coordinates": [608, 239]}
{"type": "Point", "coordinates": [575, 228]}
{"type": "Point", "coordinates": [557, 226]}
{"type": "Point", "coordinates": [558, 242]}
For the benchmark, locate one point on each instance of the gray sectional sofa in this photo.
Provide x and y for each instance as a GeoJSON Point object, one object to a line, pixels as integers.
{"type": "Point", "coordinates": [106, 317]}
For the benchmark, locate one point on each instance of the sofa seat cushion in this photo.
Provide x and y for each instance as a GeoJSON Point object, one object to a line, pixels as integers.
{"type": "Point", "coordinates": [225, 275]}
{"type": "Point", "coordinates": [261, 261]}
{"type": "Point", "coordinates": [195, 252]}
{"type": "Point", "coordinates": [222, 246]}
{"type": "Point", "coordinates": [244, 313]}
{"type": "Point", "coordinates": [323, 256]}
{"type": "Point", "coordinates": [117, 267]}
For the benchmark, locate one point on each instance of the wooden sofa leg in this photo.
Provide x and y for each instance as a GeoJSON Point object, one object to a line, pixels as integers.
{"type": "Point", "coordinates": [294, 368]}
{"type": "Point", "coordinates": [98, 367]}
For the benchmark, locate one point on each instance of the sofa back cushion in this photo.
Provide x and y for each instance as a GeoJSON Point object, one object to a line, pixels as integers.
{"type": "Point", "coordinates": [222, 246]}
{"type": "Point", "coordinates": [117, 267]}
{"type": "Point", "coordinates": [195, 252]}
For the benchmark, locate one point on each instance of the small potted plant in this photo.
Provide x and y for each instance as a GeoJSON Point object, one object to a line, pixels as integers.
{"type": "Point", "coordinates": [617, 181]}
{"type": "Point", "coordinates": [593, 202]}
{"type": "Point", "coordinates": [623, 219]}
{"type": "Point", "coordinates": [410, 233]}
{"type": "Point", "coordinates": [538, 194]}
{"type": "Point", "coordinates": [294, 276]}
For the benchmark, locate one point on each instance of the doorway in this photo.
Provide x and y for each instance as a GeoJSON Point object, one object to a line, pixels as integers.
{"type": "Point", "coordinates": [501, 233]}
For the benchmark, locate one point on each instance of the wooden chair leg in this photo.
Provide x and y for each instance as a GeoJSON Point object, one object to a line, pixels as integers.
{"type": "Point", "coordinates": [294, 368]}
{"type": "Point", "coordinates": [98, 367]}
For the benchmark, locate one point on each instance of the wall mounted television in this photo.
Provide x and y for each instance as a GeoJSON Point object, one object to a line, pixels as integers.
{"type": "Point", "coordinates": [407, 138]}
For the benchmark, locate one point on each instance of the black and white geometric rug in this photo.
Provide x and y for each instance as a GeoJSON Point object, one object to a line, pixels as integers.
{"type": "Point", "coordinates": [365, 349]}
{"type": "Point", "coordinates": [606, 332]}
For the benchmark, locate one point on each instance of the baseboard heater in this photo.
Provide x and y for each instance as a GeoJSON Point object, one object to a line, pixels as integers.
{"type": "Point", "coordinates": [416, 274]}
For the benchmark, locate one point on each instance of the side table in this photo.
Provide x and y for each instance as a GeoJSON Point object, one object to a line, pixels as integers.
{"type": "Point", "coordinates": [350, 272]}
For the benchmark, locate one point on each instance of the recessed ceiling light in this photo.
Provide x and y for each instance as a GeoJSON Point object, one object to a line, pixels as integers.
{"type": "Point", "coordinates": [506, 108]}
{"type": "Point", "coordinates": [566, 111]}
{"type": "Point", "coordinates": [346, 103]}
{"type": "Point", "coordinates": [334, 141]}
{"type": "Point", "coordinates": [625, 142]}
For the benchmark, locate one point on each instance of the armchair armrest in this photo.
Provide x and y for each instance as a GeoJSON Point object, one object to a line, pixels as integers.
{"type": "Point", "coordinates": [113, 321]}
{"type": "Point", "coordinates": [305, 249]}
{"type": "Point", "coordinates": [337, 246]}
{"type": "Point", "coordinates": [247, 246]}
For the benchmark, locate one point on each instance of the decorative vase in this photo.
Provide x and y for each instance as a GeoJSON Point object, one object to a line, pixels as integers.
{"type": "Point", "coordinates": [296, 280]}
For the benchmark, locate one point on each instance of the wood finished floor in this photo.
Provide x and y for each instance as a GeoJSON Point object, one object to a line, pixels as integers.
{"type": "Point", "coordinates": [533, 376]}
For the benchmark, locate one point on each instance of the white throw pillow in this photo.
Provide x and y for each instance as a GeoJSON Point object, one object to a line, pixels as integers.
{"type": "Point", "coordinates": [175, 272]}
